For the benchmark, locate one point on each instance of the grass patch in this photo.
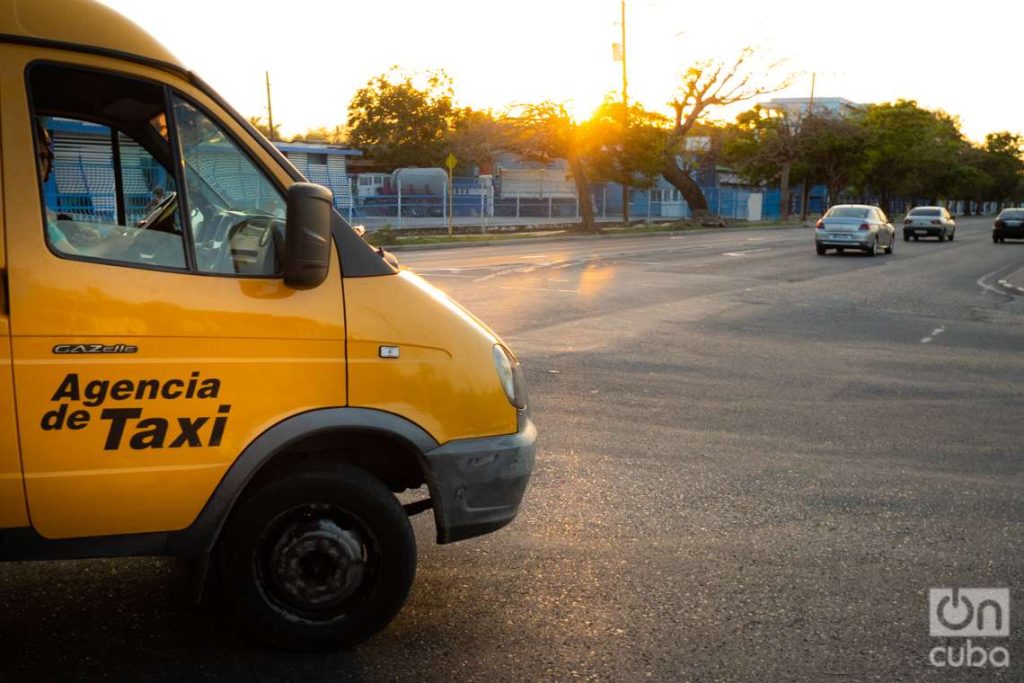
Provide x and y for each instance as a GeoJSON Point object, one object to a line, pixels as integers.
{"type": "Point", "coordinates": [390, 237]}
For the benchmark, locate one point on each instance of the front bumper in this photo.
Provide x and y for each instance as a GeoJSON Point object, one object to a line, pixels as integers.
{"type": "Point", "coordinates": [477, 484]}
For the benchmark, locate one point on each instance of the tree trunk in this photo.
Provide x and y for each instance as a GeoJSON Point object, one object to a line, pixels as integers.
{"type": "Point", "coordinates": [690, 190]}
{"type": "Point", "coordinates": [586, 204]}
{"type": "Point", "coordinates": [784, 187]}
{"type": "Point", "coordinates": [834, 188]}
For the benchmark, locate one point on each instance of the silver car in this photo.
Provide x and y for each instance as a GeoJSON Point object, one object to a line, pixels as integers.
{"type": "Point", "coordinates": [854, 226]}
{"type": "Point", "coordinates": [929, 221]}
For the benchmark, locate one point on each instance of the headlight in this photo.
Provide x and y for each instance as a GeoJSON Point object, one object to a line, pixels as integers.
{"type": "Point", "coordinates": [510, 375]}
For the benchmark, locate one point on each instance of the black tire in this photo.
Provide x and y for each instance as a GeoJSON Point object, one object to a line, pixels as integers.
{"type": "Point", "coordinates": [872, 251]}
{"type": "Point", "coordinates": [915, 238]}
{"type": "Point", "coordinates": [821, 250]}
{"type": "Point", "coordinates": [952, 235]}
{"type": "Point", "coordinates": [995, 240]}
{"type": "Point", "coordinates": [906, 237]}
{"type": "Point", "coordinates": [318, 559]}
{"type": "Point", "coordinates": [892, 245]}
{"type": "Point", "coordinates": [942, 237]}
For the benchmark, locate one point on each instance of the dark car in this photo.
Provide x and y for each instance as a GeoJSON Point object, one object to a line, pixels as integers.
{"type": "Point", "coordinates": [1009, 223]}
{"type": "Point", "coordinates": [929, 221]}
{"type": "Point", "coordinates": [854, 226]}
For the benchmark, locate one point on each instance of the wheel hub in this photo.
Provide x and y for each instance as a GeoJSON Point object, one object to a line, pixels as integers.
{"type": "Point", "coordinates": [319, 564]}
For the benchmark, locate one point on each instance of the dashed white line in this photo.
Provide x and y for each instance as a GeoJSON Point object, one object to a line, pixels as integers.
{"type": "Point", "coordinates": [983, 281]}
{"type": "Point", "coordinates": [746, 251]}
{"type": "Point", "coordinates": [542, 289]}
{"type": "Point", "coordinates": [935, 333]}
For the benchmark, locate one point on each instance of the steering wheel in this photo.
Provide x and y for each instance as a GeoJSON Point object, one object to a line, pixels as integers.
{"type": "Point", "coordinates": [159, 213]}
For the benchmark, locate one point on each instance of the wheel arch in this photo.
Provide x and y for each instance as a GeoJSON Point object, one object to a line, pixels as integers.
{"type": "Point", "coordinates": [341, 433]}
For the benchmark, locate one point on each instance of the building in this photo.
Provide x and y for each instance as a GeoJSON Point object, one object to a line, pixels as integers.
{"type": "Point", "coordinates": [798, 106]}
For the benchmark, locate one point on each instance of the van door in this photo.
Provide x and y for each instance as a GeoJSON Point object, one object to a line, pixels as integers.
{"type": "Point", "coordinates": [153, 336]}
{"type": "Point", "coordinates": [12, 487]}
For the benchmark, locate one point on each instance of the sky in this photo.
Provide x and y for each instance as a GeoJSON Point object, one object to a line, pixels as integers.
{"type": "Point", "coordinates": [950, 56]}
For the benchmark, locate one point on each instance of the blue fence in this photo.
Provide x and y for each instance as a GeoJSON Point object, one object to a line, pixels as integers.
{"type": "Point", "coordinates": [86, 191]}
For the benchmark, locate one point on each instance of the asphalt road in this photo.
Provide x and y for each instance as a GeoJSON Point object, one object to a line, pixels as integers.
{"type": "Point", "coordinates": [755, 463]}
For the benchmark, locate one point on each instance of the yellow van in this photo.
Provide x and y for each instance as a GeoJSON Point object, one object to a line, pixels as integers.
{"type": "Point", "coordinates": [199, 357]}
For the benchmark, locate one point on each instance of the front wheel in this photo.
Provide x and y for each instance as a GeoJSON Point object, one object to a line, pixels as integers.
{"type": "Point", "coordinates": [318, 559]}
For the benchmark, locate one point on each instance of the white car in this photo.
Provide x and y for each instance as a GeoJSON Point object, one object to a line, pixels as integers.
{"type": "Point", "coordinates": [929, 221]}
{"type": "Point", "coordinates": [854, 226]}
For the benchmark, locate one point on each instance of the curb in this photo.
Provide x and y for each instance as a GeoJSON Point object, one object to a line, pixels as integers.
{"type": "Point", "coordinates": [577, 238]}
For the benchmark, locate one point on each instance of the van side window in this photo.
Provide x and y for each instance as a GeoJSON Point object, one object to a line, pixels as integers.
{"type": "Point", "coordinates": [237, 215]}
{"type": "Point", "coordinates": [108, 191]}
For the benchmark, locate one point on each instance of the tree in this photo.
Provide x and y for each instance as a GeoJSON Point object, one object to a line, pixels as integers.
{"type": "Point", "coordinates": [1003, 162]}
{"type": "Point", "coordinates": [764, 145]}
{"type": "Point", "coordinates": [260, 124]}
{"type": "Point", "coordinates": [545, 132]}
{"type": "Point", "coordinates": [705, 85]}
{"type": "Point", "coordinates": [910, 151]}
{"type": "Point", "coordinates": [330, 136]}
{"type": "Point", "coordinates": [833, 149]}
{"type": "Point", "coordinates": [398, 123]}
{"type": "Point", "coordinates": [478, 138]}
{"type": "Point", "coordinates": [633, 156]}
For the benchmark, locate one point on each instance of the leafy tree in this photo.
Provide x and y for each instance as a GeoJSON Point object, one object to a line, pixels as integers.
{"type": "Point", "coordinates": [545, 132]}
{"type": "Point", "coordinates": [260, 124]}
{"type": "Point", "coordinates": [708, 84]}
{"type": "Point", "coordinates": [833, 149]}
{"type": "Point", "coordinates": [1003, 161]}
{"type": "Point", "coordinates": [633, 155]}
{"type": "Point", "coordinates": [330, 136]}
{"type": "Point", "coordinates": [478, 138]}
{"type": "Point", "coordinates": [909, 151]}
{"type": "Point", "coordinates": [398, 123]}
{"type": "Point", "coordinates": [765, 144]}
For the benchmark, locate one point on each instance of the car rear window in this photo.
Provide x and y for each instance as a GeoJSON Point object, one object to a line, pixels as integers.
{"type": "Point", "coordinates": [1017, 214]}
{"type": "Point", "coordinates": [926, 212]}
{"type": "Point", "coordinates": [847, 212]}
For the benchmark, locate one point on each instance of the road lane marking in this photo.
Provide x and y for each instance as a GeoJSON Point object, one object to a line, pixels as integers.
{"type": "Point", "coordinates": [541, 289]}
{"type": "Point", "coordinates": [983, 282]}
{"type": "Point", "coordinates": [935, 333]}
{"type": "Point", "coordinates": [746, 251]}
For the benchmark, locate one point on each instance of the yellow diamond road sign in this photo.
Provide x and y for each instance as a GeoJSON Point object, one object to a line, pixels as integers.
{"type": "Point", "coordinates": [450, 161]}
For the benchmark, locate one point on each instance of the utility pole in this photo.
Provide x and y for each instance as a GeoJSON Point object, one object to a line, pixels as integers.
{"type": "Point", "coordinates": [625, 122]}
{"type": "Point", "coordinates": [270, 112]}
{"type": "Point", "coordinates": [803, 194]}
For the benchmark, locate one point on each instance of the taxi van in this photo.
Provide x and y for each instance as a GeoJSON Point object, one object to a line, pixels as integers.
{"type": "Point", "coordinates": [200, 358]}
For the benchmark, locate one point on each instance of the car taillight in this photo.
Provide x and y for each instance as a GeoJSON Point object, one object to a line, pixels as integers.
{"type": "Point", "coordinates": [820, 225]}
{"type": "Point", "coordinates": [864, 226]}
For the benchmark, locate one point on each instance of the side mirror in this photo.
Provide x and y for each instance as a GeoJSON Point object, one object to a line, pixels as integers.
{"type": "Point", "coordinates": [307, 245]}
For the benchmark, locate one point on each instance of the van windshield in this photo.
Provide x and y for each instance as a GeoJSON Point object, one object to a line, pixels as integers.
{"type": "Point", "coordinates": [236, 212]}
